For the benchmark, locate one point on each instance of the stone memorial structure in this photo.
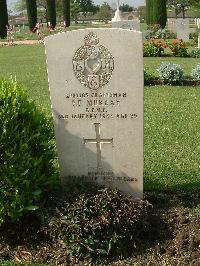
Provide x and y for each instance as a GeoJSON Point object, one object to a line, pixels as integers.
{"type": "Point", "coordinates": [197, 22]}
{"type": "Point", "coordinates": [171, 24]}
{"type": "Point", "coordinates": [96, 88]}
{"type": "Point", "coordinates": [119, 22]}
{"type": "Point", "coordinates": [127, 24]}
{"type": "Point", "coordinates": [180, 27]}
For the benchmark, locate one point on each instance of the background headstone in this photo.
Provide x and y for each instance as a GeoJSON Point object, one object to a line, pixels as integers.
{"type": "Point", "coordinates": [182, 29]}
{"type": "Point", "coordinates": [197, 22]}
{"type": "Point", "coordinates": [171, 24]}
{"type": "Point", "coordinates": [96, 87]}
{"type": "Point", "coordinates": [127, 24]}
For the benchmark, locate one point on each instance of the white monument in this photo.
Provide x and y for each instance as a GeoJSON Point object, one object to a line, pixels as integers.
{"type": "Point", "coordinates": [180, 27]}
{"type": "Point", "coordinates": [117, 16]}
{"type": "Point", "coordinates": [197, 22]}
{"type": "Point", "coordinates": [96, 88]}
{"type": "Point", "coordinates": [119, 22]}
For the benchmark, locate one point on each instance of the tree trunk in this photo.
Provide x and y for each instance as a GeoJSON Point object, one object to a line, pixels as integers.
{"type": "Point", "coordinates": [66, 12]}
{"type": "Point", "coordinates": [183, 11]}
{"type": "Point", "coordinates": [32, 13]}
{"type": "Point", "coordinates": [51, 12]}
{"type": "Point", "coordinates": [3, 19]}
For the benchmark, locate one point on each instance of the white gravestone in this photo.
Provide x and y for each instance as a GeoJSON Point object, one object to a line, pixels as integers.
{"type": "Point", "coordinates": [96, 88]}
{"type": "Point", "coordinates": [171, 25]}
{"type": "Point", "coordinates": [182, 29]}
{"type": "Point", "coordinates": [197, 22]}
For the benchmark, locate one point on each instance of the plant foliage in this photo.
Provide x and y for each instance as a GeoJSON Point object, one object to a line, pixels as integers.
{"type": "Point", "coordinates": [170, 72]}
{"type": "Point", "coordinates": [196, 72]}
{"type": "Point", "coordinates": [32, 13]}
{"type": "Point", "coordinates": [96, 222]}
{"type": "Point", "coordinates": [26, 153]}
{"type": "Point", "coordinates": [178, 48]}
{"type": "Point", "coordinates": [195, 53]}
{"type": "Point", "coordinates": [154, 48]}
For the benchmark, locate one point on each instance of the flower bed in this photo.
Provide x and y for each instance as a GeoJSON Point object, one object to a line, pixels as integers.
{"type": "Point", "coordinates": [158, 47]}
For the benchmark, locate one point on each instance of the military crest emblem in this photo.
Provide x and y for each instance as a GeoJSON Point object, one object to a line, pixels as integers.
{"type": "Point", "coordinates": [93, 64]}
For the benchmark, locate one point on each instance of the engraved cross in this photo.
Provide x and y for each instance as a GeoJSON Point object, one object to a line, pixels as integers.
{"type": "Point", "coordinates": [98, 141]}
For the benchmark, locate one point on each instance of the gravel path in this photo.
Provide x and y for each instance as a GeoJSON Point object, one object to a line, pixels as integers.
{"type": "Point", "coordinates": [26, 42]}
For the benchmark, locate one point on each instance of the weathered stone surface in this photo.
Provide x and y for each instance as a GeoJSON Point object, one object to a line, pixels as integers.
{"type": "Point", "coordinates": [96, 87]}
{"type": "Point", "coordinates": [127, 24]}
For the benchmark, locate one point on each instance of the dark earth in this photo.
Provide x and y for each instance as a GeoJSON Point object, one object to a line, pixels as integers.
{"type": "Point", "coordinates": [173, 237]}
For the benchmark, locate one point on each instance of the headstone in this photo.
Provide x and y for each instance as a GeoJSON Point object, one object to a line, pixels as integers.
{"type": "Point", "coordinates": [182, 29]}
{"type": "Point", "coordinates": [171, 24]}
{"type": "Point", "coordinates": [96, 88]}
{"type": "Point", "coordinates": [127, 24]}
{"type": "Point", "coordinates": [197, 22]}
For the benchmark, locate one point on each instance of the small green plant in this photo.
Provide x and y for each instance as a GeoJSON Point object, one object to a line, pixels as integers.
{"type": "Point", "coordinates": [154, 48]}
{"type": "Point", "coordinates": [26, 153]}
{"type": "Point", "coordinates": [171, 73]}
{"type": "Point", "coordinates": [194, 37]}
{"type": "Point", "coordinates": [97, 222]}
{"type": "Point", "coordinates": [178, 48]}
{"type": "Point", "coordinates": [195, 53]}
{"type": "Point", "coordinates": [148, 77]}
{"type": "Point", "coordinates": [196, 72]}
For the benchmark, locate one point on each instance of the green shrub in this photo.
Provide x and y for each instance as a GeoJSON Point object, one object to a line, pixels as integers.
{"type": "Point", "coordinates": [170, 72]}
{"type": "Point", "coordinates": [194, 37]}
{"type": "Point", "coordinates": [178, 48]}
{"type": "Point", "coordinates": [196, 72]}
{"type": "Point", "coordinates": [96, 222]}
{"type": "Point", "coordinates": [154, 48]}
{"type": "Point", "coordinates": [195, 53]}
{"type": "Point", "coordinates": [148, 78]}
{"type": "Point", "coordinates": [26, 153]}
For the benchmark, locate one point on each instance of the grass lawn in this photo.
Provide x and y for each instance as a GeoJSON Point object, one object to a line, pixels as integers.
{"type": "Point", "coordinates": [152, 63]}
{"type": "Point", "coordinates": [172, 117]}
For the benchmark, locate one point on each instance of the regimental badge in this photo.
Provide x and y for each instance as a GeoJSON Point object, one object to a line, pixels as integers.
{"type": "Point", "coordinates": [93, 64]}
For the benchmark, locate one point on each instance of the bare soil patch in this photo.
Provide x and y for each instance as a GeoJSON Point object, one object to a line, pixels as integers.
{"type": "Point", "coordinates": [173, 237]}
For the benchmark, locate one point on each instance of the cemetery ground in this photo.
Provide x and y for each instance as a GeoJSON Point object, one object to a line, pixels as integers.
{"type": "Point", "coordinates": [171, 177]}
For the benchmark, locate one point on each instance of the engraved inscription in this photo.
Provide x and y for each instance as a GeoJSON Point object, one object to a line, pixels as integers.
{"type": "Point", "coordinates": [93, 64]}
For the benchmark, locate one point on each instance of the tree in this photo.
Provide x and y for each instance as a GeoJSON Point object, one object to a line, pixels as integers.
{"type": "Point", "coordinates": [51, 12]}
{"type": "Point", "coordinates": [141, 11]}
{"type": "Point", "coordinates": [74, 10]}
{"type": "Point", "coordinates": [180, 6]}
{"type": "Point", "coordinates": [126, 8]}
{"type": "Point", "coordinates": [160, 13]}
{"type": "Point", "coordinates": [32, 13]}
{"type": "Point", "coordinates": [104, 12]}
{"type": "Point", "coordinates": [195, 3]}
{"type": "Point", "coordinates": [86, 6]}
{"type": "Point", "coordinates": [156, 12]}
{"type": "Point", "coordinates": [3, 18]}
{"type": "Point", "coordinates": [66, 12]}
{"type": "Point", "coordinates": [150, 9]}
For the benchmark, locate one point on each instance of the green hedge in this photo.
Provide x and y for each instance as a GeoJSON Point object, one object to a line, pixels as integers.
{"type": "Point", "coordinates": [26, 153]}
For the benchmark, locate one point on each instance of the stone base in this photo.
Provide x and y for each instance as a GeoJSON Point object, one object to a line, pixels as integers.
{"type": "Point", "coordinates": [127, 24]}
